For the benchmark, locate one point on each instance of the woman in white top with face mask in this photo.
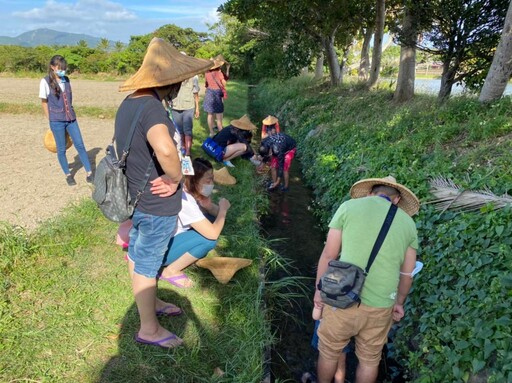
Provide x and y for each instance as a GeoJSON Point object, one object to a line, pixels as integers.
{"type": "Point", "coordinates": [196, 235]}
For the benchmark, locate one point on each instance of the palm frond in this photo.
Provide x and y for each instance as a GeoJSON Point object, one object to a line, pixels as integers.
{"type": "Point", "coordinates": [452, 196]}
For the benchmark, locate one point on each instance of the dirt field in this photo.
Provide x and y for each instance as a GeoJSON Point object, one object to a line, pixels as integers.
{"type": "Point", "coordinates": [32, 185]}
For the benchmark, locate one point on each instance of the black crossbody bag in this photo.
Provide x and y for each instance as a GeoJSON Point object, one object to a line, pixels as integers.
{"type": "Point", "coordinates": [342, 283]}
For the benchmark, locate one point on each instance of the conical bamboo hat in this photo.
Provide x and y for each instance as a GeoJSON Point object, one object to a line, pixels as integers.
{"type": "Point", "coordinates": [164, 65]}
{"type": "Point", "coordinates": [223, 268]}
{"type": "Point", "coordinates": [222, 177]}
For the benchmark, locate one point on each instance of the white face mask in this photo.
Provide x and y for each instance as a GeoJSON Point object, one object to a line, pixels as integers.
{"type": "Point", "coordinates": [207, 190]}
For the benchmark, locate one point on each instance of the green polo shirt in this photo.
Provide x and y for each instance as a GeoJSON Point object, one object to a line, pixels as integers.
{"type": "Point", "coordinates": [360, 221]}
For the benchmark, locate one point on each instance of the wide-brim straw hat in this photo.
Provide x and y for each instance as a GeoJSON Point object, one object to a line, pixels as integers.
{"type": "Point", "coordinates": [51, 145]}
{"type": "Point", "coordinates": [221, 58]}
{"type": "Point", "coordinates": [408, 201]}
{"type": "Point", "coordinates": [270, 120]}
{"type": "Point", "coordinates": [243, 123]}
{"type": "Point", "coordinates": [216, 63]}
{"type": "Point", "coordinates": [164, 65]}
{"type": "Point", "coordinates": [223, 177]}
{"type": "Point", "coordinates": [223, 268]}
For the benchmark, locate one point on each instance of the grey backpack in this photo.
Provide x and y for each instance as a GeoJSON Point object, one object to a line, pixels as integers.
{"type": "Point", "coordinates": [110, 183]}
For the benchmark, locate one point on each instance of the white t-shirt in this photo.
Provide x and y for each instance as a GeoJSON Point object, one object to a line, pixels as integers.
{"type": "Point", "coordinates": [44, 88]}
{"type": "Point", "coordinates": [189, 213]}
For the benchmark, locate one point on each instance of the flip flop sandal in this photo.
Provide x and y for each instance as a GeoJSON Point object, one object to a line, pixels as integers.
{"type": "Point", "coordinates": [158, 343]}
{"type": "Point", "coordinates": [173, 280]}
{"type": "Point", "coordinates": [164, 312]}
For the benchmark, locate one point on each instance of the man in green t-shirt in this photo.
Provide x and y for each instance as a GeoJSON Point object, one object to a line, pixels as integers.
{"type": "Point", "coordinates": [352, 234]}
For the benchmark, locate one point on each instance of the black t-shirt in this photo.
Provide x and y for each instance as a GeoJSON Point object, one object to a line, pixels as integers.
{"type": "Point", "coordinates": [141, 153]}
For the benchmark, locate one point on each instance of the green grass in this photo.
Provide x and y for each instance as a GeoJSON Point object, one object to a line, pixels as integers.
{"type": "Point", "coordinates": [68, 315]}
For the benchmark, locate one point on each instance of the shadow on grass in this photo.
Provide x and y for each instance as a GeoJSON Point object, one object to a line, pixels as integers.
{"type": "Point", "coordinates": [143, 363]}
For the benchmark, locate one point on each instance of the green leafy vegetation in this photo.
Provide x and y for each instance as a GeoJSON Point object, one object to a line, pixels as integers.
{"type": "Point", "coordinates": [458, 320]}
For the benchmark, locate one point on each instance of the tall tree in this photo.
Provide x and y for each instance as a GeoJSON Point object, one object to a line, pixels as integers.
{"type": "Point", "coordinates": [501, 67]}
{"type": "Point", "coordinates": [463, 34]}
{"type": "Point", "coordinates": [364, 63]}
{"type": "Point", "coordinates": [305, 25]}
{"type": "Point", "coordinates": [380, 19]}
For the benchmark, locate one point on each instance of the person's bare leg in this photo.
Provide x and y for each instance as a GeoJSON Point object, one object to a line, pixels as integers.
{"type": "Point", "coordinates": [273, 173]}
{"type": "Point", "coordinates": [366, 374]}
{"type": "Point", "coordinates": [234, 150]}
{"type": "Point", "coordinates": [286, 176]}
{"type": "Point", "coordinates": [211, 122]}
{"type": "Point", "coordinates": [219, 117]}
{"type": "Point", "coordinates": [176, 268]}
{"type": "Point", "coordinates": [188, 145]}
{"type": "Point", "coordinates": [144, 290]}
{"type": "Point", "coordinates": [326, 369]}
{"type": "Point", "coordinates": [339, 376]}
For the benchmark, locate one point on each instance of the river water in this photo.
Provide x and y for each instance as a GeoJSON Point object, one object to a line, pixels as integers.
{"type": "Point", "coordinates": [432, 86]}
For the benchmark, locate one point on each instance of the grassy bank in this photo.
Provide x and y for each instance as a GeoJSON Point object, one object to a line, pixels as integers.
{"type": "Point", "coordinates": [458, 320]}
{"type": "Point", "coordinates": [67, 312]}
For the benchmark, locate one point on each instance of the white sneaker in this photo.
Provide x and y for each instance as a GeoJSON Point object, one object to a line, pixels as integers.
{"type": "Point", "coordinates": [255, 162]}
{"type": "Point", "coordinates": [228, 164]}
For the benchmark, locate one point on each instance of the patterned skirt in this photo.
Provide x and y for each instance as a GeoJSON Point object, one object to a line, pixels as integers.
{"type": "Point", "coordinates": [213, 101]}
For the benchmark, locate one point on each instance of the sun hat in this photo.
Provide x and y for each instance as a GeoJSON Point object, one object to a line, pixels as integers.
{"type": "Point", "coordinates": [222, 177]}
{"type": "Point", "coordinates": [243, 123]}
{"type": "Point", "coordinates": [223, 268]}
{"type": "Point", "coordinates": [221, 58]}
{"type": "Point", "coordinates": [408, 201]}
{"type": "Point", "coordinates": [270, 120]}
{"type": "Point", "coordinates": [217, 63]}
{"type": "Point", "coordinates": [51, 145]}
{"type": "Point", "coordinates": [164, 65]}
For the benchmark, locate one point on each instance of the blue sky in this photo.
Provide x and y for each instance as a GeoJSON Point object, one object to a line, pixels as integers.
{"type": "Point", "coordinates": [115, 20]}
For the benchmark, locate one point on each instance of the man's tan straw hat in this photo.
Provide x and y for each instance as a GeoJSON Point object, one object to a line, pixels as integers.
{"type": "Point", "coordinates": [223, 268]}
{"type": "Point", "coordinates": [164, 65]}
{"type": "Point", "coordinates": [243, 123]}
{"type": "Point", "coordinates": [408, 201]}
{"type": "Point", "coordinates": [222, 177]}
{"type": "Point", "coordinates": [270, 120]}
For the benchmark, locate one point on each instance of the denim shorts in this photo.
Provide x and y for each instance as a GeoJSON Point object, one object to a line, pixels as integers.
{"type": "Point", "coordinates": [149, 239]}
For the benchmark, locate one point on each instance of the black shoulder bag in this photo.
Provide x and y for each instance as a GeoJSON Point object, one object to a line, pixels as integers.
{"type": "Point", "coordinates": [342, 283]}
{"type": "Point", "coordinates": [110, 182]}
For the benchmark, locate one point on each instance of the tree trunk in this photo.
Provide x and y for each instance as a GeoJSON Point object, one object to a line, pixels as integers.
{"type": "Point", "coordinates": [319, 67]}
{"type": "Point", "coordinates": [332, 60]}
{"type": "Point", "coordinates": [407, 71]}
{"type": "Point", "coordinates": [364, 64]}
{"type": "Point", "coordinates": [377, 42]}
{"type": "Point", "coordinates": [447, 80]}
{"type": "Point", "coordinates": [501, 67]}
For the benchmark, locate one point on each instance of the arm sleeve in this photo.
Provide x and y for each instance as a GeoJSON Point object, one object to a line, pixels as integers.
{"type": "Point", "coordinates": [44, 89]}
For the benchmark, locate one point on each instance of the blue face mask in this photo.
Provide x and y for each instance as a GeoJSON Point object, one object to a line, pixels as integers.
{"type": "Point", "coordinates": [60, 72]}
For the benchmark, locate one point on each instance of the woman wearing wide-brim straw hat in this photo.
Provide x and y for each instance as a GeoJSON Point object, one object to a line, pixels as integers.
{"type": "Point", "coordinates": [235, 140]}
{"type": "Point", "coordinates": [213, 103]}
{"type": "Point", "coordinates": [153, 149]}
{"type": "Point", "coordinates": [270, 126]}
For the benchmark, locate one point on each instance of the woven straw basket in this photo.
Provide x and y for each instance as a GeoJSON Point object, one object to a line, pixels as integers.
{"type": "Point", "coordinates": [49, 141]}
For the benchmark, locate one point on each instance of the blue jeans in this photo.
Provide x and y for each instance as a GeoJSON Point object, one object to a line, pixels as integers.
{"type": "Point", "coordinates": [149, 239]}
{"type": "Point", "coordinates": [184, 120]}
{"type": "Point", "coordinates": [188, 242]}
{"type": "Point", "coordinates": [59, 129]}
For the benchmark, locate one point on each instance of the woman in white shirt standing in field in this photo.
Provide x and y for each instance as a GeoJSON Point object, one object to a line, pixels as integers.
{"type": "Point", "coordinates": [57, 102]}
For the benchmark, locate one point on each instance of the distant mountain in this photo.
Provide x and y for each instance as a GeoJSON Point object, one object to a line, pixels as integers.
{"type": "Point", "coordinates": [50, 37]}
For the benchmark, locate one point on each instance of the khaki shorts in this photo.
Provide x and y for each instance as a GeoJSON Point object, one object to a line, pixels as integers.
{"type": "Point", "coordinates": [369, 326]}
